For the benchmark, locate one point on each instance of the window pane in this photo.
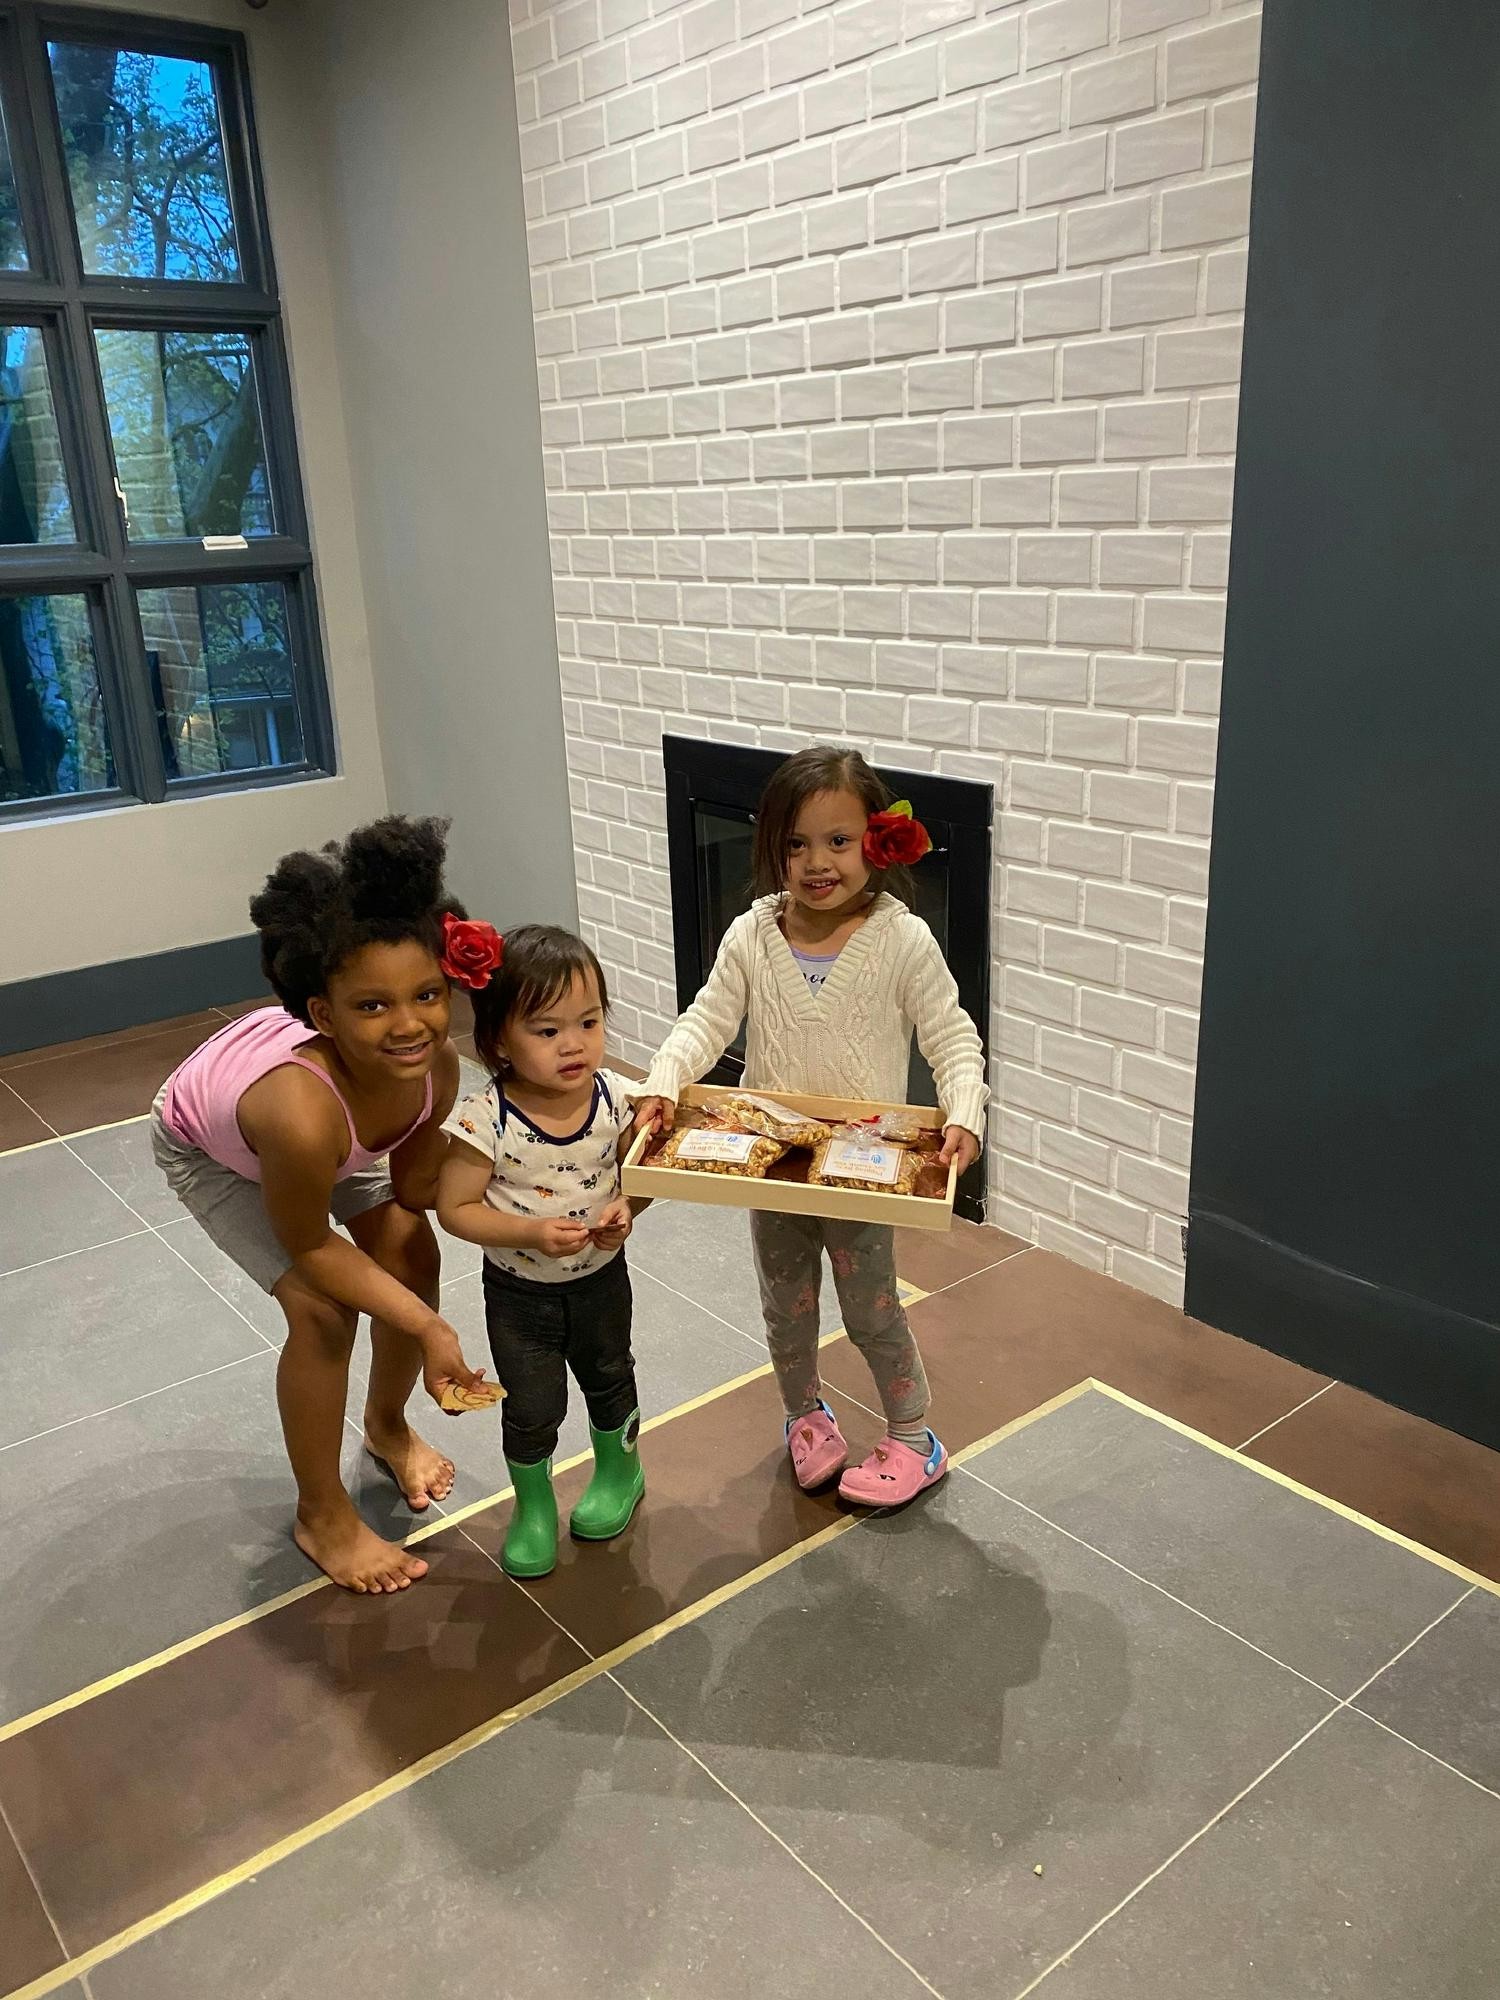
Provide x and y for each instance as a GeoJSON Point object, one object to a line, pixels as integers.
{"type": "Point", "coordinates": [12, 238]}
{"type": "Point", "coordinates": [146, 161]}
{"type": "Point", "coordinates": [221, 672]}
{"type": "Point", "coordinates": [34, 503]}
{"type": "Point", "coordinates": [52, 732]}
{"type": "Point", "coordinates": [185, 420]}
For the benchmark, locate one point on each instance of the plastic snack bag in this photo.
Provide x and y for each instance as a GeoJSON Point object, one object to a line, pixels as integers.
{"type": "Point", "coordinates": [853, 1157]}
{"type": "Point", "coordinates": [748, 1113]}
{"type": "Point", "coordinates": [705, 1149]}
{"type": "Point", "coordinates": [903, 1128]}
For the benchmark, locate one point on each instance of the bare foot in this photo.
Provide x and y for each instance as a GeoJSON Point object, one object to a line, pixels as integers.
{"type": "Point", "coordinates": [423, 1475]}
{"type": "Point", "coordinates": [354, 1556]}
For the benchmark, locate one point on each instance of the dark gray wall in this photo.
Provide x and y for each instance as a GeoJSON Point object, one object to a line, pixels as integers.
{"type": "Point", "coordinates": [1345, 1189]}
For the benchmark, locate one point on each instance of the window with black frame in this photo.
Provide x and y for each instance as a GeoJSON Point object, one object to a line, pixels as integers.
{"type": "Point", "coordinates": [158, 630]}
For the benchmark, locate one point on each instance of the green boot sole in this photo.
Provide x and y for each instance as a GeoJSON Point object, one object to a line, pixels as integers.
{"type": "Point", "coordinates": [531, 1539]}
{"type": "Point", "coordinates": [611, 1497]}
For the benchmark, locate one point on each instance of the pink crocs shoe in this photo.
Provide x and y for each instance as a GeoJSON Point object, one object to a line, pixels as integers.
{"type": "Point", "coordinates": [817, 1445]}
{"type": "Point", "coordinates": [894, 1474]}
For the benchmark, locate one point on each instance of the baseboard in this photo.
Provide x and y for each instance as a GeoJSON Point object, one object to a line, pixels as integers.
{"type": "Point", "coordinates": [131, 993]}
{"type": "Point", "coordinates": [1425, 1358]}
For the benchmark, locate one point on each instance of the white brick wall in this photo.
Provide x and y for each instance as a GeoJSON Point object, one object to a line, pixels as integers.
{"type": "Point", "coordinates": [888, 354]}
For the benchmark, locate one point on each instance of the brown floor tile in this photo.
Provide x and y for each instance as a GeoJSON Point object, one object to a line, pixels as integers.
{"type": "Point", "coordinates": [103, 1084]}
{"type": "Point", "coordinates": [19, 1124]}
{"type": "Point", "coordinates": [721, 1500]}
{"type": "Point", "coordinates": [1441, 1490]}
{"type": "Point", "coordinates": [150, 1790]}
{"type": "Point", "coordinates": [933, 1258]}
{"type": "Point", "coordinates": [232, 1010]}
{"type": "Point", "coordinates": [206, 1022]}
{"type": "Point", "coordinates": [998, 1344]}
{"type": "Point", "coordinates": [28, 1943]}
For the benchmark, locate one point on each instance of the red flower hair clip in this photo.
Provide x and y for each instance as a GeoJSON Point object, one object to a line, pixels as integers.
{"type": "Point", "coordinates": [894, 839]}
{"type": "Point", "coordinates": [471, 952]}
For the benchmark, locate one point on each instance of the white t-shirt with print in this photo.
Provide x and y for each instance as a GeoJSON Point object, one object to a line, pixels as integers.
{"type": "Point", "coordinates": [535, 1175]}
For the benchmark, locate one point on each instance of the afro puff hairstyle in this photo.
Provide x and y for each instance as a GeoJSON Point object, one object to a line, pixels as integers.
{"type": "Point", "coordinates": [382, 885]}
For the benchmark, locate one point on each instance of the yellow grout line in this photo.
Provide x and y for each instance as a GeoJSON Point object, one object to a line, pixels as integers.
{"type": "Point", "coordinates": [606, 1663]}
{"type": "Point", "coordinates": [32, 1146]}
{"type": "Point", "coordinates": [433, 1526]}
{"type": "Point", "coordinates": [62, 1138]}
{"type": "Point", "coordinates": [436, 1760]}
{"type": "Point", "coordinates": [1434, 1556]}
{"type": "Point", "coordinates": [122, 1675]}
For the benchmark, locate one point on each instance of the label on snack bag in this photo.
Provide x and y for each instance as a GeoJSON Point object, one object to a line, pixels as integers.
{"type": "Point", "coordinates": [862, 1160]}
{"type": "Point", "coordinates": [733, 1148]}
{"type": "Point", "coordinates": [783, 1112]}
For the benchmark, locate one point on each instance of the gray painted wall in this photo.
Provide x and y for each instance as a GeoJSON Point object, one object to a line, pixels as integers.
{"type": "Point", "coordinates": [422, 196]}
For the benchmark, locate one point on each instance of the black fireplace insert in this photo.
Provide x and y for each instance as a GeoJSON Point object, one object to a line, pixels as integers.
{"type": "Point", "coordinates": [712, 791]}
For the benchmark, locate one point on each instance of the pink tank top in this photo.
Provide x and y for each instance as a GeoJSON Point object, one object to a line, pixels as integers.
{"type": "Point", "coordinates": [202, 1100]}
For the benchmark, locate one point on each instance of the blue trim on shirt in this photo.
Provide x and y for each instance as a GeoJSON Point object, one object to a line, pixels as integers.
{"type": "Point", "coordinates": [553, 1138]}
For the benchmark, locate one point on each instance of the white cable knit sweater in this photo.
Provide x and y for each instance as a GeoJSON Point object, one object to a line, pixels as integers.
{"type": "Point", "coordinates": [853, 1039]}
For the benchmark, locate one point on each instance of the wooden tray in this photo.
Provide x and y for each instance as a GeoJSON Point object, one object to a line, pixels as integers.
{"type": "Point", "coordinates": [777, 1191]}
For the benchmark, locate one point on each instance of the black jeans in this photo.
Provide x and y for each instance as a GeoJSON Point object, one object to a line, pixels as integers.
{"type": "Point", "coordinates": [538, 1332]}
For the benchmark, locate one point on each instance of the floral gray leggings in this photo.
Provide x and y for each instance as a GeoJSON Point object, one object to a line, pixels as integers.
{"type": "Point", "coordinates": [788, 1261]}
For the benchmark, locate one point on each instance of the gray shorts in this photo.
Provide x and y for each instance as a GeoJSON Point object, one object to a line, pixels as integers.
{"type": "Point", "coordinates": [230, 1211]}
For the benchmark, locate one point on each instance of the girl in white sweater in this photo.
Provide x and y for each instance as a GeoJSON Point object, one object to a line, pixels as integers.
{"type": "Point", "coordinates": [831, 972]}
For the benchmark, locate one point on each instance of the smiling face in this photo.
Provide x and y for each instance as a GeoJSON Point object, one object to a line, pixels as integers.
{"type": "Point", "coordinates": [558, 1048]}
{"type": "Point", "coordinates": [386, 1010]}
{"type": "Point", "coordinates": [825, 865]}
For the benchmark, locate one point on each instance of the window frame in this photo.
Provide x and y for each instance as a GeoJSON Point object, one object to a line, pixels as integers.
{"type": "Point", "coordinates": [71, 305]}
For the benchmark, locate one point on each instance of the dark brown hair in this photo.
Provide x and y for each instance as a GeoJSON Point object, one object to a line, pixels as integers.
{"type": "Point", "coordinates": [823, 768]}
{"type": "Point", "coordinates": [382, 885]}
{"type": "Point", "coordinates": [540, 964]}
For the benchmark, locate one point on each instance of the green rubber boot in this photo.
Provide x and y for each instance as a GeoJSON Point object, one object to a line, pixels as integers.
{"type": "Point", "coordinates": [531, 1539]}
{"type": "Point", "coordinates": [615, 1491]}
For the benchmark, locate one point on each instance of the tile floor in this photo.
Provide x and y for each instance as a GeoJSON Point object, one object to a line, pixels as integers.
{"type": "Point", "coordinates": [1112, 1714]}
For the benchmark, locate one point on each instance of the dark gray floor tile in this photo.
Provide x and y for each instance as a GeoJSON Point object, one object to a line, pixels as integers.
{"type": "Point", "coordinates": [1316, 1591]}
{"type": "Point", "coordinates": [50, 1205]}
{"type": "Point", "coordinates": [142, 1527]}
{"type": "Point", "coordinates": [578, 1853]}
{"type": "Point", "coordinates": [681, 1350]}
{"type": "Point", "coordinates": [1360, 1870]}
{"type": "Point", "coordinates": [96, 1329]}
{"type": "Point", "coordinates": [1445, 1693]}
{"type": "Point", "coordinates": [226, 1277]}
{"type": "Point", "coordinates": [704, 1253]}
{"type": "Point", "coordinates": [135, 1530]}
{"type": "Point", "coordinates": [940, 1702]}
{"type": "Point", "coordinates": [121, 1155]}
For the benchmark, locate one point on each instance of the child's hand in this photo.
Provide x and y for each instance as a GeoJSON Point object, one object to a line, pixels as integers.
{"type": "Point", "coordinates": [655, 1114]}
{"type": "Point", "coordinates": [561, 1238]}
{"type": "Point", "coordinates": [613, 1224]}
{"type": "Point", "coordinates": [958, 1145]}
{"type": "Point", "coordinates": [443, 1363]}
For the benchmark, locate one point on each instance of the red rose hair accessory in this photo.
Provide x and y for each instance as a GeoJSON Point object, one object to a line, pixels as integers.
{"type": "Point", "coordinates": [471, 952]}
{"type": "Point", "coordinates": [893, 839]}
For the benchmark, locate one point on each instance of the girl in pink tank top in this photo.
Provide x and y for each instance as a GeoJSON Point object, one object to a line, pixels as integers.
{"type": "Point", "coordinates": [325, 1110]}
